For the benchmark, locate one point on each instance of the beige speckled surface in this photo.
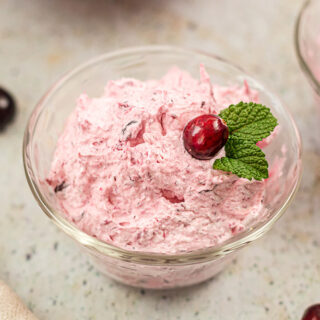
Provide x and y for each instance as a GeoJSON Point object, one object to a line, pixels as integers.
{"type": "Point", "coordinates": [40, 39]}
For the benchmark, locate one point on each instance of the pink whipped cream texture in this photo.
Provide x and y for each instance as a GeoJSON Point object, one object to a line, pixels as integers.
{"type": "Point", "coordinates": [121, 173]}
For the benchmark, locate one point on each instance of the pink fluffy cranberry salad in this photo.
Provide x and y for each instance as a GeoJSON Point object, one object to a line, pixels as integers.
{"type": "Point", "coordinates": [121, 172]}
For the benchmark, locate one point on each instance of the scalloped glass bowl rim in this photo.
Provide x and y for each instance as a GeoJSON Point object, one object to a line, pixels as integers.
{"type": "Point", "coordinates": [148, 258]}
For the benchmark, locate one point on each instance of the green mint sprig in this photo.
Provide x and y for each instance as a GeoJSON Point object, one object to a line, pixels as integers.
{"type": "Point", "coordinates": [248, 123]}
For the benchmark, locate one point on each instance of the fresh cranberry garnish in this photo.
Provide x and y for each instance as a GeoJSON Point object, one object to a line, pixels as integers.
{"type": "Point", "coordinates": [312, 313]}
{"type": "Point", "coordinates": [7, 108]}
{"type": "Point", "coordinates": [205, 135]}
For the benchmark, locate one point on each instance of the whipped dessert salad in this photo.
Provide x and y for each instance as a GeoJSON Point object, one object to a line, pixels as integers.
{"type": "Point", "coordinates": [166, 166]}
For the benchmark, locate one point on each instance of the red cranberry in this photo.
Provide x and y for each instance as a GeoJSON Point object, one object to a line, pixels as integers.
{"type": "Point", "coordinates": [7, 108]}
{"type": "Point", "coordinates": [312, 313]}
{"type": "Point", "coordinates": [205, 135]}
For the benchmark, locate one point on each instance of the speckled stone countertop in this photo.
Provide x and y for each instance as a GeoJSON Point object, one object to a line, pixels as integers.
{"type": "Point", "coordinates": [276, 278]}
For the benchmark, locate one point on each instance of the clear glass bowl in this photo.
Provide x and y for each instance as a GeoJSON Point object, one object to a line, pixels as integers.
{"type": "Point", "coordinates": [307, 42]}
{"type": "Point", "coordinates": [145, 269]}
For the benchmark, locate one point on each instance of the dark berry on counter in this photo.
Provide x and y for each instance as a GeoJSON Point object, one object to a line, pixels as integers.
{"type": "Point", "coordinates": [7, 108]}
{"type": "Point", "coordinates": [312, 313]}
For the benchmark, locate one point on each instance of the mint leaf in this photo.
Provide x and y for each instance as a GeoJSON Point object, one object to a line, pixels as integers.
{"type": "Point", "coordinates": [243, 158]}
{"type": "Point", "coordinates": [249, 121]}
